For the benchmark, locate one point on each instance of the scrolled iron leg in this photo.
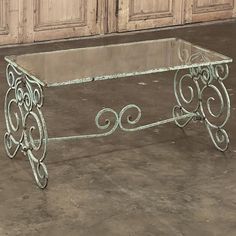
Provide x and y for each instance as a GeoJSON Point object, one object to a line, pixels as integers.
{"type": "Point", "coordinates": [216, 117]}
{"type": "Point", "coordinates": [25, 124]}
{"type": "Point", "coordinates": [187, 100]}
{"type": "Point", "coordinates": [207, 98]}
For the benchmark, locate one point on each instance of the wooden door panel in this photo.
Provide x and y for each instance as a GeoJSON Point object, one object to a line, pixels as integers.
{"type": "Point", "coordinates": [49, 17]}
{"type": "Point", "coordinates": [54, 19]}
{"type": "Point", "coordinates": [3, 17]}
{"type": "Point", "coordinates": [139, 10]}
{"type": "Point", "coordinates": [139, 14]}
{"type": "Point", "coordinates": [213, 4]}
{"type": "Point", "coordinates": [207, 10]}
{"type": "Point", "coordinates": [9, 26]}
{"type": "Point", "coordinates": [24, 21]}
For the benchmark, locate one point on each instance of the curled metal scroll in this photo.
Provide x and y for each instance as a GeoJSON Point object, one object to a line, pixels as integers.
{"type": "Point", "coordinates": [205, 80]}
{"type": "Point", "coordinates": [108, 121]}
{"type": "Point", "coordinates": [115, 120]}
{"type": "Point", "coordinates": [26, 128]}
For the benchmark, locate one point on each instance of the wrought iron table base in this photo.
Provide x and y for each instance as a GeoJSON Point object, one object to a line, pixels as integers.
{"type": "Point", "coordinates": [26, 95]}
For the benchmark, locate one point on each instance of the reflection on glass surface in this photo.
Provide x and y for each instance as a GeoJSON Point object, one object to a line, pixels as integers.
{"type": "Point", "coordinates": [113, 61]}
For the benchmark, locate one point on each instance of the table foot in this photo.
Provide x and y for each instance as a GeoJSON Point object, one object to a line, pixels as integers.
{"type": "Point", "coordinates": [25, 124]}
{"type": "Point", "coordinates": [206, 96]}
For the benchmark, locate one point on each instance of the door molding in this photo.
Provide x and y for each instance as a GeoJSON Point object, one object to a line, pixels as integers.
{"type": "Point", "coordinates": [130, 18]}
{"type": "Point", "coordinates": [41, 26]}
{"type": "Point", "coordinates": [57, 19]}
{"type": "Point", "coordinates": [196, 12]}
{"type": "Point", "coordinates": [212, 8]}
{"type": "Point", "coordinates": [4, 11]}
{"type": "Point", "coordinates": [9, 21]}
{"type": "Point", "coordinates": [150, 15]}
{"type": "Point", "coordinates": [26, 21]}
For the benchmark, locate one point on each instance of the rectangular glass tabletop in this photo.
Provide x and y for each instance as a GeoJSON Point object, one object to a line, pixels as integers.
{"type": "Point", "coordinates": [114, 61]}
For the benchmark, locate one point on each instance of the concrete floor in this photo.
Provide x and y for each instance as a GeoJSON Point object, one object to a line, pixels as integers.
{"type": "Point", "coordinates": [161, 181]}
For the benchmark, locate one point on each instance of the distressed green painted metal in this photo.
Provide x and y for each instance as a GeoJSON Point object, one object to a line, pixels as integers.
{"type": "Point", "coordinates": [26, 93]}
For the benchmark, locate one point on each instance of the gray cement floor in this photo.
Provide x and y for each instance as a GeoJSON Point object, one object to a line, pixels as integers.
{"type": "Point", "coordinates": [161, 181]}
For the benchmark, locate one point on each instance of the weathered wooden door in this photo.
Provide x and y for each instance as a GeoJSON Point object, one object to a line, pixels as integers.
{"type": "Point", "coordinates": [140, 14]}
{"type": "Point", "coordinates": [56, 19]}
{"type": "Point", "coordinates": [207, 10]}
{"type": "Point", "coordinates": [24, 21]}
{"type": "Point", "coordinates": [9, 21]}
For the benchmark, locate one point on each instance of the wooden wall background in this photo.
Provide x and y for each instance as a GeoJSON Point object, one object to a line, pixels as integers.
{"type": "Point", "coordinates": [23, 21]}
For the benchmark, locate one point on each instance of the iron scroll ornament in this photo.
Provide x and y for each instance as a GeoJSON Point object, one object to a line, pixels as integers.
{"type": "Point", "coordinates": [23, 102]}
{"type": "Point", "coordinates": [204, 79]}
{"type": "Point", "coordinates": [26, 127]}
{"type": "Point", "coordinates": [25, 94]}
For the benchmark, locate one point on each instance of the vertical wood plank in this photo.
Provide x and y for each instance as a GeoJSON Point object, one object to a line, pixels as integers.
{"type": "Point", "coordinates": [21, 24]}
{"type": "Point", "coordinates": [234, 11]}
{"type": "Point", "coordinates": [112, 18]}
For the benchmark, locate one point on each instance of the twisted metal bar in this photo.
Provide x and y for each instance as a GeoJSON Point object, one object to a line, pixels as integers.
{"type": "Point", "coordinates": [205, 78]}
{"type": "Point", "coordinates": [24, 121]}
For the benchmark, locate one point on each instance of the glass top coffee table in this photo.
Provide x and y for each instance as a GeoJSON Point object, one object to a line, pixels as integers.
{"type": "Point", "coordinates": [27, 76]}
